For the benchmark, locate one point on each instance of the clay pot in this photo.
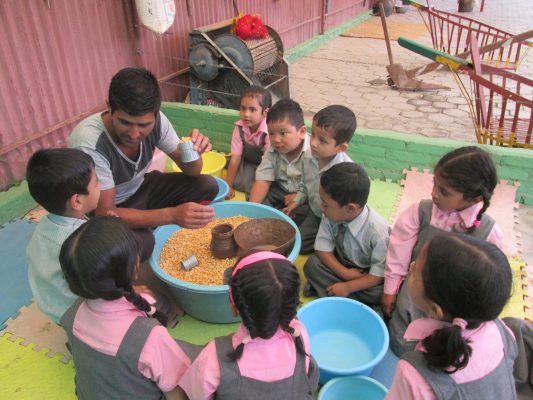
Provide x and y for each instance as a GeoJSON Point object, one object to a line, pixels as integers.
{"type": "Point", "coordinates": [466, 5]}
{"type": "Point", "coordinates": [222, 242]}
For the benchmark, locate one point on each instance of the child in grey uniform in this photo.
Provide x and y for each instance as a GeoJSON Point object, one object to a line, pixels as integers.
{"type": "Point", "coordinates": [464, 351]}
{"type": "Point", "coordinates": [351, 243]}
{"type": "Point", "coordinates": [119, 351]}
{"type": "Point", "coordinates": [249, 140]}
{"type": "Point", "coordinates": [268, 357]}
{"type": "Point", "coordinates": [333, 128]}
{"type": "Point", "coordinates": [278, 176]}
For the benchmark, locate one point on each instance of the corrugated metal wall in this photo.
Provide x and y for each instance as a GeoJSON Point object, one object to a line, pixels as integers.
{"type": "Point", "coordinates": [58, 56]}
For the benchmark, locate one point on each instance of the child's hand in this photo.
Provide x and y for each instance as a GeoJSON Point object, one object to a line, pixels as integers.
{"type": "Point", "coordinates": [288, 199]}
{"type": "Point", "coordinates": [339, 289]}
{"type": "Point", "coordinates": [289, 210]}
{"type": "Point", "coordinates": [231, 194]}
{"type": "Point", "coordinates": [388, 303]}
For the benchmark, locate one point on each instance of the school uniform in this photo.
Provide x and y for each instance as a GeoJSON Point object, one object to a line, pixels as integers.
{"type": "Point", "coordinates": [268, 369]}
{"type": "Point", "coordinates": [488, 374]}
{"type": "Point", "coordinates": [285, 177]}
{"type": "Point", "coordinates": [46, 279]}
{"type": "Point", "coordinates": [360, 243]}
{"type": "Point", "coordinates": [308, 193]}
{"type": "Point", "coordinates": [415, 227]}
{"type": "Point", "coordinates": [250, 146]}
{"type": "Point", "coordinates": [120, 353]}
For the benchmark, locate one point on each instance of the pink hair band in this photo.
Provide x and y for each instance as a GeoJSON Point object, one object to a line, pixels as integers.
{"type": "Point", "coordinates": [252, 259]}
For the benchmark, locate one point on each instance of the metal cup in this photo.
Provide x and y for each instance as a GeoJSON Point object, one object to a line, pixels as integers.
{"type": "Point", "coordinates": [189, 263]}
{"type": "Point", "coordinates": [188, 154]}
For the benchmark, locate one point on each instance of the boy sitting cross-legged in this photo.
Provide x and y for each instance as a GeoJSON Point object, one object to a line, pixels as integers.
{"type": "Point", "coordinates": [333, 128]}
{"type": "Point", "coordinates": [351, 243]}
{"type": "Point", "coordinates": [278, 176]}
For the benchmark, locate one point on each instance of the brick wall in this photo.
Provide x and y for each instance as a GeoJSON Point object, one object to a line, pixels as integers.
{"type": "Point", "coordinates": [384, 154]}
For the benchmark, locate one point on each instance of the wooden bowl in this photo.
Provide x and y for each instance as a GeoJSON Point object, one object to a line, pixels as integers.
{"type": "Point", "coordinates": [265, 234]}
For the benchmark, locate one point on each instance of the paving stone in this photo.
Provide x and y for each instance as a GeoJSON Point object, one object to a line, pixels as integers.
{"type": "Point", "coordinates": [419, 102]}
{"type": "Point", "coordinates": [444, 104]}
{"type": "Point", "coordinates": [428, 109]}
{"type": "Point", "coordinates": [456, 113]}
{"type": "Point", "coordinates": [412, 114]}
{"type": "Point", "coordinates": [440, 118]}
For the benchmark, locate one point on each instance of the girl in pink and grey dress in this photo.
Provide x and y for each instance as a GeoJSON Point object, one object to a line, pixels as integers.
{"type": "Point", "coordinates": [120, 346]}
{"type": "Point", "coordinates": [464, 350]}
{"type": "Point", "coordinates": [268, 357]}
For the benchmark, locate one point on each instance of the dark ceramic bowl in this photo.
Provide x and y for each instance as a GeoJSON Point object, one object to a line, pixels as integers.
{"type": "Point", "coordinates": [265, 234]}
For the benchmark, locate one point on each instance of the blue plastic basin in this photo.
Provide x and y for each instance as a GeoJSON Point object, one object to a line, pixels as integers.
{"type": "Point", "coordinates": [352, 388]}
{"type": "Point", "coordinates": [347, 337]}
{"type": "Point", "coordinates": [210, 303]}
{"type": "Point", "coordinates": [223, 190]}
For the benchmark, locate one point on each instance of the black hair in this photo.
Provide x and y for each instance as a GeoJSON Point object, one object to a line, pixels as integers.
{"type": "Point", "coordinates": [98, 261]}
{"type": "Point", "coordinates": [289, 109]}
{"type": "Point", "coordinates": [472, 282]}
{"type": "Point", "coordinates": [346, 182]}
{"type": "Point", "coordinates": [339, 120]}
{"type": "Point", "coordinates": [266, 293]}
{"type": "Point", "coordinates": [261, 94]}
{"type": "Point", "coordinates": [134, 91]}
{"type": "Point", "coordinates": [471, 171]}
{"type": "Point", "coordinates": [55, 175]}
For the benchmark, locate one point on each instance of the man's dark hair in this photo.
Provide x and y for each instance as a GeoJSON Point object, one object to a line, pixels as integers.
{"type": "Point", "coordinates": [134, 91]}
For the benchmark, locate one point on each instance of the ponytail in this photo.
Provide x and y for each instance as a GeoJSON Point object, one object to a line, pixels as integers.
{"type": "Point", "coordinates": [447, 349]}
{"type": "Point", "coordinates": [297, 340]}
{"type": "Point", "coordinates": [486, 204]}
{"type": "Point", "coordinates": [237, 353]}
{"type": "Point", "coordinates": [142, 304]}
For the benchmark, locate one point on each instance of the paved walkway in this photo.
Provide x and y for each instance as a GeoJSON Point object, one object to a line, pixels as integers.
{"type": "Point", "coordinates": [351, 71]}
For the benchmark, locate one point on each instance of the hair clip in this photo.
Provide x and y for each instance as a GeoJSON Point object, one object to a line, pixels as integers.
{"type": "Point", "coordinates": [152, 311]}
{"type": "Point", "coordinates": [461, 323]}
{"type": "Point", "coordinates": [476, 223]}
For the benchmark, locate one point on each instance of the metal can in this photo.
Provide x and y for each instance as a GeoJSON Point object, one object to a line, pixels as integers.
{"type": "Point", "coordinates": [189, 263]}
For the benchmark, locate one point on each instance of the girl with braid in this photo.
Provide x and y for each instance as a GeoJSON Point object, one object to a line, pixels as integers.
{"type": "Point", "coordinates": [464, 351]}
{"type": "Point", "coordinates": [463, 184]}
{"type": "Point", "coordinates": [119, 344]}
{"type": "Point", "coordinates": [268, 357]}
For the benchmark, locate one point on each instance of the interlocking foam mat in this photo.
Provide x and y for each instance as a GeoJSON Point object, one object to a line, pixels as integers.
{"type": "Point", "coordinates": [29, 374]}
{"type": "Point", "coordinates": [14, 286]}
{"type": "Point", "coordinates": [34, 363]}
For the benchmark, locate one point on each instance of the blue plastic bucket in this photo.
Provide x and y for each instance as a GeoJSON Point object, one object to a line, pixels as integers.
{"type": "Point", "coordinates": [223, 190]}
{"type": "Point", "coordinates": [347, 337]}
{"type": "Point", "coordinates": [352, 388]}
{"type": "Point", "coordinates": [210, 303]}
